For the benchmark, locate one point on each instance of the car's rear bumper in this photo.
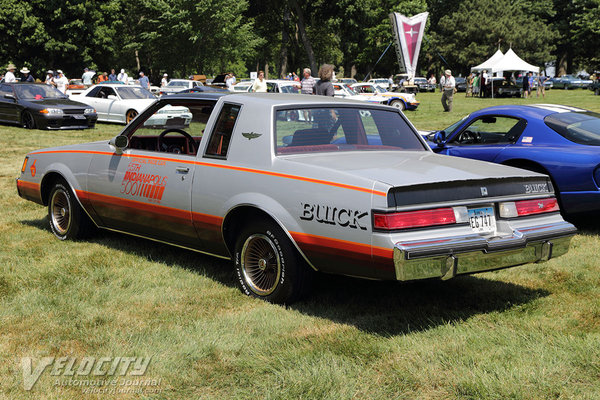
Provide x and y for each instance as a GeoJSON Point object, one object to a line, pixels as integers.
{"type": "Point", "coordinates": [447, 257]}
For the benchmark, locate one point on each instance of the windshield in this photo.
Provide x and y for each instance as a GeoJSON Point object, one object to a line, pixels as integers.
{"type": "Point", "coordinates": [578, 127]}
{"type": "Point", "coordinates": [289, 89]}
{"type": "Point", "coordinates": [129, 93]}
{"type": "Point", "coordinates": [314, 130]}
{"type": "Point", "coordinates": [178, 83]}
{"type": "Point", "coordinates": [37, 92]}
{"type": "Point", "coordinates": [450, 130]}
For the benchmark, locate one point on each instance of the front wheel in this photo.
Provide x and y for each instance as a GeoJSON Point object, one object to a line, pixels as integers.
{"type": "Point", "coordinates": [399, 104]}
{"type": "Point", "coordinates": [267, 265]}
{"type": "Point", "coordinates": [28, 121]}
{"type": "Point", "coordinates": [67, 218]}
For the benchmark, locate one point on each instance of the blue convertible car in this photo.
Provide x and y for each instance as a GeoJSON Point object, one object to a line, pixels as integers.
{"type": "Point", "coordinates": [560, 141]}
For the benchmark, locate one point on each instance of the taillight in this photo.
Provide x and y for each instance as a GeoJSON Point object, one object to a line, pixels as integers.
{"type": "Point", "coordinates": [24, 164]}
{"type": "Point", "coordinates": [528, 207]}
{"type": "Point", "coordinates": [414, 219]}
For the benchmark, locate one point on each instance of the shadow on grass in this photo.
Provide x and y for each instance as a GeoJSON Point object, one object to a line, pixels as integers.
{"type": "Point", "coordinates": [379, 307]}
{"type": "Point", "coordinates": [587, 224]}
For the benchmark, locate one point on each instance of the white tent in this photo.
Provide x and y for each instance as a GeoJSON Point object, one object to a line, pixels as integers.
{"type": "Point", "coordinates": [487, 64]}
{"type": "Point", "coordinates": [512, 62]}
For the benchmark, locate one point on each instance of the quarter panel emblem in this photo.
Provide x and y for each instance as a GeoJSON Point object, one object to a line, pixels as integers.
{"type": "Point", "coordinates": [484, 191]}
{"type": "Point", "coordinates": [251, 135]}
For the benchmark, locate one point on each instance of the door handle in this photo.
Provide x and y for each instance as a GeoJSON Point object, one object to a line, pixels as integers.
{"type": "Point", "coordinates": [182, 170]}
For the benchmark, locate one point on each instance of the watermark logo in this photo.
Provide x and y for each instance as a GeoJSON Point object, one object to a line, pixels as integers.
{"type": "Point", "coordinates": [84, 371]}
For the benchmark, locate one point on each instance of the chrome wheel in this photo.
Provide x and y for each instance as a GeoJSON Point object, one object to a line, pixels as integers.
{"type": "Point", "coordinates": [260, 264]}
{"type": "Point", "coordinates": [60, 206]}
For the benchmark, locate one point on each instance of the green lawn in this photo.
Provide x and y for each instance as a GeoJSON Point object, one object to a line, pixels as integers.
{"type": "Point", "coordinates": [531, 332]}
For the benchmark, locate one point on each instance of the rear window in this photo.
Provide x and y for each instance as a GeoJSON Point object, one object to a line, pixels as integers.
{"type": "Point", "coordinates": [312, 130]}
{"type": "Point", "coordinates": [578, 127]}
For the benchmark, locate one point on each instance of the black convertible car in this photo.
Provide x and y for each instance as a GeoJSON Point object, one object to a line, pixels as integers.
{"type": "Point", "coordinates": [37, 105]}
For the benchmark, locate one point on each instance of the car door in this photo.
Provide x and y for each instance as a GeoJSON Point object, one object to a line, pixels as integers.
{"type": "Point", "coordinates": [145, 191]}
{"type": "Point", "coordinates": [8, 107]}
{"type": "Point", "coordinates": [484, 138]}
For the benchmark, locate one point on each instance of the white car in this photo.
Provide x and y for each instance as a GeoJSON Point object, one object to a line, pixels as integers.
{"type": "Point", "coordinates": [283, 86]}
{"type": "Point", "coordinates": [116, 102]}
{"type": "Point", "coordinates": [177, 85]}
{"type": "Point", "coordinates": [371, 91]}
{"type": "Point", "coordinates": [241, 87]}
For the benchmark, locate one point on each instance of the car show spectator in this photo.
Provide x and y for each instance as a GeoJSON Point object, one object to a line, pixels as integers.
{"type": "Point", "coordinates": [49, 77]}
{"type": "Point", "coordinates": [526, 87]}
{"type": "Point", "coordinates": [10, 73]}
{"type": "Point", "coordinates": [476, 79]}
{"type": "Point", "coordinates": [483, 83]}
{"type": "Point", "coordinates": [61, 82]}
{"type": "Point", "coordinates": [324, 87]}
{"type": "Point", "coordinates": [26, 75]}
{"type": "Point", "coordinates": [102, 78]}
{"type": "Point", "coordinates": [229, 81]}
{"type": "Point", "coordinates": [112, 76]}
{"type": "Point", "coordinates": [123, 77]}
{"type": "Point", "coordinates": [308, 82]}
{"type": "Point", "coordinates": [144, 82]}
{"type": "Point", "coordinates": [541, 79]}
{"type": "Point", "coordinates": [296, 77]}
{"type": "Point", "coordinates": [165, 80]}
{"type": "Point", "coordinates": [260, 84]}
{"type": "Point", "coordinates": [87, 77]}
{"type": "Point", "coordinates": [432, 80]}
{"type": "Point", "coordinates": [447, 84]}
{"type": "Point", "coordinates": [470, 79]}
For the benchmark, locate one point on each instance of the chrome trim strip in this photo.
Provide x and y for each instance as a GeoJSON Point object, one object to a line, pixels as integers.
{"type": "Point", "coordinates": [447, 257]}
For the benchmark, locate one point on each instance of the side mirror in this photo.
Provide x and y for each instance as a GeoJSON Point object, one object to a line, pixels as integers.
{"type": "Point", "coordinates": [120, 143]}
{"type": "Point", "coordinates": [10, 96]}
{"type": "Point", "coordinates": [112, 97]}
{"type": "Point", "coordinates": [439, 138]}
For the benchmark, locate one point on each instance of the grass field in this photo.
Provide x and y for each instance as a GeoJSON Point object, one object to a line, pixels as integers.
{"type": "Point", "coordinates": [531, 332]}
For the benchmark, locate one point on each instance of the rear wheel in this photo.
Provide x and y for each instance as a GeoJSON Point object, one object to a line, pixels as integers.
{"type": "Point", "coordinates": [28, 121]}
{"type": "Point", "coordinates": [268, 266]}
{"type": "Point", "coordinates": [399, 104]}
{"type": "Point", "coordinates": [67, 218]}
{"type": "Point", "coordinates": [131, 114]}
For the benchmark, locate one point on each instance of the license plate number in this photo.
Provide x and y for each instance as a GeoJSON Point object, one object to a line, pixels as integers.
{"type": "Point", "coordinates": [77, 116]}
{"type": "Point", "coordinates": [482, 220]}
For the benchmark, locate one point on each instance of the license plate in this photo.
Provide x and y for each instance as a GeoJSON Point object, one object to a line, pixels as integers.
{"type": "Point", "coordinates": [482, 220]}
{"type": "Point", "coordinates": [77, 116]}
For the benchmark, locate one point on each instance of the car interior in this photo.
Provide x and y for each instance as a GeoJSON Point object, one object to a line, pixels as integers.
{"type": "Point", "coordinates": [174, 128]}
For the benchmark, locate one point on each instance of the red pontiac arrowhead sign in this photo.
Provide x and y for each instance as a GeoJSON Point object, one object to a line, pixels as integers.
{"type": "Point", "coordinates": [408, 34]}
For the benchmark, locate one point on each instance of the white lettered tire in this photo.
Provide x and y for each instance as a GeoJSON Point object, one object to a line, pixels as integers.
{"type": "Point", "coordinates": [268, 266]}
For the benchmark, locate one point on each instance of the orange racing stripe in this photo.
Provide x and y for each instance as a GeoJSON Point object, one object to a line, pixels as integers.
{"type": "Point", "coordinates": [230, 167]}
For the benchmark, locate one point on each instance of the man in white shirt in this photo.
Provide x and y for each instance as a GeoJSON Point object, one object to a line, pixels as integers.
{"type": "Point", "coordinates": [123, 77]}
{"type": "Point", "coordinates": [10, 74]}
{"type": "Point", "coordinates": [87, 77]}
{"type": "Point", "coordinates": [61, 82]}
{"type": "Point", "coordinates": [164, 82]}
{"type": "Point", "coordinates": [448, 84]}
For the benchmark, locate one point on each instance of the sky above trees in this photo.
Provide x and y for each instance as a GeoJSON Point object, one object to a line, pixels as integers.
{"type": "Point", "coordinates": [183, 37]}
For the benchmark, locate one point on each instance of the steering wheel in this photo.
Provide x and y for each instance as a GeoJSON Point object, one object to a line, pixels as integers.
{"type": "Point", "coordinates": [190, 143]}
{"type": "Point", "coordinates": [469, 137]}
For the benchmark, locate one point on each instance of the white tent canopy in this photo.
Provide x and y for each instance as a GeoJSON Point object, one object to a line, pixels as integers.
{"type": "Point", "coordinates": [487, 64]}
{"type": "Point", "coordinates": [512, 62]}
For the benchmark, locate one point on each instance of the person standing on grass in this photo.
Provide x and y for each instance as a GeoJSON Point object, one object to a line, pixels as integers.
{"type": "Point", "coordinates": [27, 77]}
{"type": "Point", "coordinates": [308, 82]}
{"type": "Point", "coordinates": [260, 84]}
{"type": "Point", "coordinates": [112, 77]}
{"type": "Point", "coordinates": [144, 82]}
{"type": "Point", "coordinates": [324, 87]}
{"type": "Point", "coordinates": [447, 84]}
{"type": "Point", "coordinates": [10, 73]}
{"type": "Point", "coordinates": [541, 79]}
{"type": "Point", "coordinates": [526, 87]}
{"type": "Point", "coordinates": [61, 82]}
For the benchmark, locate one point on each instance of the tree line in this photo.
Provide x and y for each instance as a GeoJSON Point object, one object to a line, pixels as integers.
{"type": "Point", "coordinates": [184, 37]}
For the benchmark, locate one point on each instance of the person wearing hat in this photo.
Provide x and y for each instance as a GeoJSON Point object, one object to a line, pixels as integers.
{"type": "Point", "coordinates": [49, 77]}
{"type": "Point", "coordinates": [447, 84]}
{"type": "Point", "coordinates": [123, 77]}
{"type": "Point", "coordinates": [10, 73]}
{"type": "Point", "coordinates": [61, 82]}
{"type": "Point", "coordinates": [26, 75]}
{"type": "Point", "coordinates": [164, 81]}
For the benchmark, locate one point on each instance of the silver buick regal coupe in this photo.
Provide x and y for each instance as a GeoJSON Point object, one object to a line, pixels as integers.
{"type": "Point", "coordinates": [341, 187]}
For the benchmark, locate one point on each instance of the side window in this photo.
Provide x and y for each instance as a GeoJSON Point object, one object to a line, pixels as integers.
{"type": "Point", "coordinates": [94, 91]}
{"type": "Point", "coordinates": [221, 135]}
{"type": "Point", "coordinates": [491, 130]}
